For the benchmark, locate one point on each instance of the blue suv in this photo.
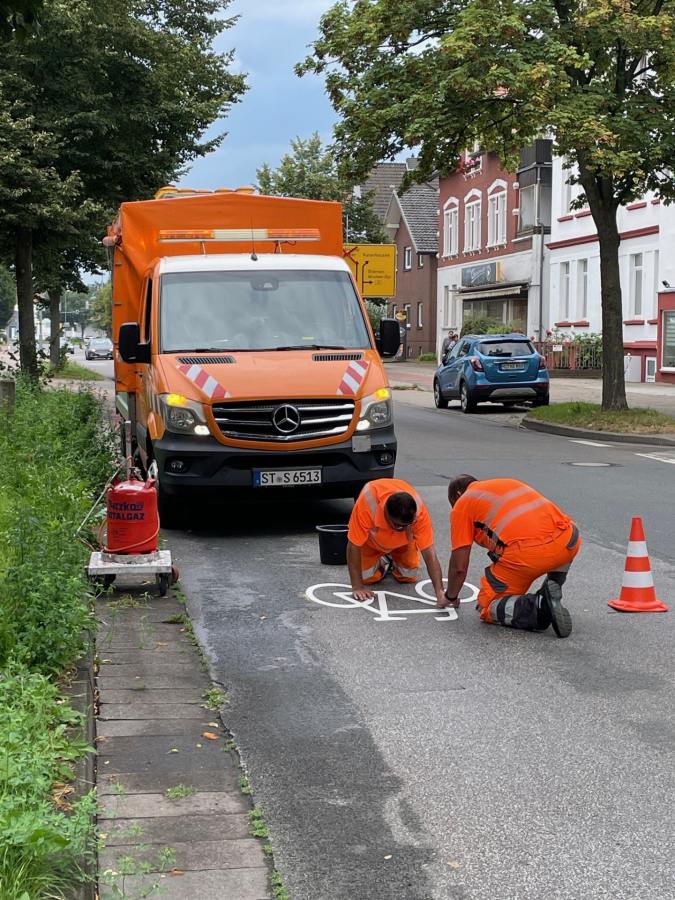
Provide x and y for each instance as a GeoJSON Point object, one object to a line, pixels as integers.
{"type": "Point", "coordinates": [503, 368]}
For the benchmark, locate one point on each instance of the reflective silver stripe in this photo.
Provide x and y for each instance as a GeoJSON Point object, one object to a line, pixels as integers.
{"type": "Point", "coordinates": [368, 573]}
{"type": "Point", "coordinates": [519, 510]}
{"type": "Point", "coordinates": [502, 499]}
{"type": "Point", "coordinates": [509, 607]}
{"type": "Point", "coordinates": [409, 573]}
{"type": "Point", "coordinates": [573, 540]}
{"type": "Point", "coordinates": [494, 582]}
{"type": "Point", "coordinates": [367, 495]}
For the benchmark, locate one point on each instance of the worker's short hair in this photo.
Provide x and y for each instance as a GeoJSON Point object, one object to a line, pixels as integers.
{"type": "Point", "coordinates": [458, 485]}
{"type": "Point", "coordinates": [401, 507]}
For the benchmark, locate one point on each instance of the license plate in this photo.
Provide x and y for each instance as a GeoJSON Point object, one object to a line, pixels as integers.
{"type": "Point", "coordinates": [285, 477]}
{"type": "Point", "coordinates": [513, 366]}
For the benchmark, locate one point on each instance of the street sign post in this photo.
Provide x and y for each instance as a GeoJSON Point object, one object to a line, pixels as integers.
{"type": "Point", "coordinates": [373, 267]}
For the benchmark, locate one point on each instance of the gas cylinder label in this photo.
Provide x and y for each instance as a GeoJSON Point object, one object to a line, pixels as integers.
{"type": "Point", "coordinates": [126, 512]}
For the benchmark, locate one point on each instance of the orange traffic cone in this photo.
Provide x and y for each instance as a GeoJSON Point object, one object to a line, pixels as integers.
{"type": "Point", "coordinates": [637, 589]}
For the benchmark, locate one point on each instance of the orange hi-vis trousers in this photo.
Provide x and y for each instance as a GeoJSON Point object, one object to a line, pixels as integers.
{"type": "Point", "coordinates": [406, 563]}
{"type": "Point", "coordinates": [520, 564]}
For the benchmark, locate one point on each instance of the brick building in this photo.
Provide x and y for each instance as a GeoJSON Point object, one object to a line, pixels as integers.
{"type": "Point", "coordinates": [412, 222]}
{"type": "Point", "coordinates": [493, 226]}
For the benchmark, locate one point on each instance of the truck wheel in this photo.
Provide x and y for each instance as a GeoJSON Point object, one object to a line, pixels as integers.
{"type": "Point", "coordinates": [439, 399]}
{"type": "Point", "coordinates": [465, 398]}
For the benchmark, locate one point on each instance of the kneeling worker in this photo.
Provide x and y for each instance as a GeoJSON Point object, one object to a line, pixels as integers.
{"type": "Point", "coordinates": [390, 526]}
{"type": "Point", "coordinates": [526, 536]}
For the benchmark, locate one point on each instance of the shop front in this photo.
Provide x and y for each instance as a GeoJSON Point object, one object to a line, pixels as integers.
{"type": "Point", "coordinates": [665, 341]}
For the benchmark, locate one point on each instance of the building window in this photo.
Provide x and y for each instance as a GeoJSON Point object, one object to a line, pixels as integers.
{"type": "Point", "coordinates": [446, 306]}
{"type": "Point", "coordinates": [420, 315]}
{"type": "Point", "coordinates": [472, 226]}
{"type": "Point", "coordinates": [451, 231]}
{"type": "Point", "coordinates": [406, 310]}
{"type": "Point", "coordinates": [407, 259]}
{"type": "Point", "coordinates": [420, 261]}
{"type": "Point", "coordinates": [566, 195]}
{"type": "Point", "coordinates": [635, 288]}
{"type": "Point", "coordinates": [668, 356]}
{"type": "Point", "coordinates": [497, 219]}
{"type": "Point", "coordinates": [565, 290]}
{"type": "Point", "coordinates": [582, 287]}
{"type": "Point", "coordinates": [394, 309]}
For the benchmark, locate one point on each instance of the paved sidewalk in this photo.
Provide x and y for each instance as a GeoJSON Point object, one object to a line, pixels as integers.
{"type": "Point", "coordinates": [657, 396]}
{"type": "Point", "coordinates": [154, 733]}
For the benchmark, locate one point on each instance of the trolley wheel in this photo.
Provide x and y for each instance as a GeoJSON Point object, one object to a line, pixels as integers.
{"type": "Point", "coordinates": [163, 582]}
{"type": "Point", "coordinates": [175, 574]}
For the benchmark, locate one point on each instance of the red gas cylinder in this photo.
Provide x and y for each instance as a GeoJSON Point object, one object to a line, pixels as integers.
{"type": "Point", "coordinates": [133, 522]}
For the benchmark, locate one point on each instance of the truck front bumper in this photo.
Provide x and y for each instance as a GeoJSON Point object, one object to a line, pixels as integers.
{"type": "Point", "coordinates": [189, 463]}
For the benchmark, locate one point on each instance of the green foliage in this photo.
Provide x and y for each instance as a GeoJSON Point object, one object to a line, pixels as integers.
{"type": "Point", "coordinates": [7, 295]}
{"type": "Point", "coordinates": [486, 325]}
{"type": "Point", "coordinates": [214, 698]}
{"type": "Point", "coordinates": [376, 310]}
{"type": "Point", "coordinates": [426, 357]}
{"type": "Point", "coordinates": [256, 823]}
{"type": "Point", "coordinates": [19, 17]}
{"type": "Point", "coordinates": [43, 591]}
{"type": "Point", "coordinates": [310, 171]}
{"type": "Point", "coordinates": [180, 792]}
{"type": "Point", "coordinates": [278, 889]}
{"type": "Point", "coordinates": [41, 848]}
{"type": "Point", "coordinates": [75, 372]}
{"type": "Point", "coordinates": [101, 307]}
{"type": "Point", "coordinates": [593, 417]}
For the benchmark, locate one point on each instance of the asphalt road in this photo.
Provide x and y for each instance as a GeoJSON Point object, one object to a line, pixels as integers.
{"type": "Point", "coordinates": [406, 757]}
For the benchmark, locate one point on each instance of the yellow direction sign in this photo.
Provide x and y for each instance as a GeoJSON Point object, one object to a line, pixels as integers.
{"type": "Point", "coordinates": [373, 267]}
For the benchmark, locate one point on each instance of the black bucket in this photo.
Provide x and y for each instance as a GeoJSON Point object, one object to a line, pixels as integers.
{"type": "Point", "coordinates": [333, 544]}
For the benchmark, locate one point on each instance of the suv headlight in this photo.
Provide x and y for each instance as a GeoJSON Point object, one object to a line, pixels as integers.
{"type": "Point", "coordinates": [182, 415]}
{"type": "Point", "coordinates": [376, 410]}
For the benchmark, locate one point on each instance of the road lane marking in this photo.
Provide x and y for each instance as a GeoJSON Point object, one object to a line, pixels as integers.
{"type": "Point", "coordinates": [665, 457]}
{"type": "Point", "coordinates": [588, 443]}
{"type": "Point", "coordinates": [339, 596]}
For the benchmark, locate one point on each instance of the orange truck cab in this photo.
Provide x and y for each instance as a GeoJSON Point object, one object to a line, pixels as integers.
{"type": "Point", "coordinates": [244, 355]}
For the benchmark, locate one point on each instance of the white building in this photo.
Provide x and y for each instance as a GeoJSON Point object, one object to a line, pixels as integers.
{"type": "Point", "coordinates": [647, 230]}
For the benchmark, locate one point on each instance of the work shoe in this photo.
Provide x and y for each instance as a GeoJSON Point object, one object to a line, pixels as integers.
{"type": "Point", "coordinates": [388, 565]}
{"type": "Point", "coordinates": [561, 620]}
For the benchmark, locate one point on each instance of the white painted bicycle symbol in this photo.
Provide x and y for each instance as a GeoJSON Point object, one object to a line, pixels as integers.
{"type": "Point", "coordinates": [340, 597]}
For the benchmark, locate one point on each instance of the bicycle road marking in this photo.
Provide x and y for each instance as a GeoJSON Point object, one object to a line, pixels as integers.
{"type": "Point", "coordinates": [339, 596]}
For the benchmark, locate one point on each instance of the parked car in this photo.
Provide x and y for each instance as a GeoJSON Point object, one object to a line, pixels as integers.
{"type": "Point", "coordinates": [65, 344]}
{"type": "Point", "coordinates": [503, 368]}
{"type": "Point", "coordinates": [99, 348]}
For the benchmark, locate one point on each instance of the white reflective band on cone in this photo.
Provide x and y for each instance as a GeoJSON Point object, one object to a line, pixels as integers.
{"type": "Point", "coordinates": [637, 548]}
{"type": "Point", "coordinates": [638, 580]}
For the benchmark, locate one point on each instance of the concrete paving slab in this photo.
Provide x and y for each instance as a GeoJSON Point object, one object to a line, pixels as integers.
{"type": "Point", "coordinates": [147, 664]}
{"type": "Point", "coordinates": [123, 727]}
{"type": "Point", "coordinates": [173, 755]}
{"type": "Point", "coordinates": [132, 640]}
{"type": "Point", "coordinates": [194, 855]}
{"type": "Point", "coordinates": [132, 681]}
{"type": "Point", "coordinates": [223, 779]}
{"type": "Point", "coordinates": [242, 884]}
{"type": "Point", "coordinates": [143, 806]}
{"type": "Point", "coordinates": [150, 711]}
{"type": "Point", "coordinates": [130, 657]}
{"type": "Point", "coordinates": [149, 695]}
{"type": "Point", "coordinates": [170, 829]}
{"type": "Point", "coordinates": [159, 745]}
{"type": "Point", "coordinates": [158, 614]}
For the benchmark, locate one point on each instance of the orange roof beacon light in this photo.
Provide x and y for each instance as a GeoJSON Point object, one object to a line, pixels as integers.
{"type": "Point", "coordinates": [239, 235]}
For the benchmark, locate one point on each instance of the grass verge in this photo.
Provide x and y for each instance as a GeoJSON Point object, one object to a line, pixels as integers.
{"type": "Point", "coordinates": [593, 417]}
{"type": "Point", "coordinates": [73, 371]}
{"type": "Point", "coordinates": [54, 458]}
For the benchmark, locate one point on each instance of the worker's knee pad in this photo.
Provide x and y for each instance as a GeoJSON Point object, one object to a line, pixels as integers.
{"type": "Point", "coordinates": [519, 611]}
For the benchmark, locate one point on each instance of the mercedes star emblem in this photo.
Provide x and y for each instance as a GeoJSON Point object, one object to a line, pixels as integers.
{"type": "Point", "coordinates": [286, 419]}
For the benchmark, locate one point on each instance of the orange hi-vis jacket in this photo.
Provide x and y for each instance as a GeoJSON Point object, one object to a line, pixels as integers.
{"type": "Point", "coordinates": [369, 527]}
{"type": "Point", "coordinates": [502, 511]}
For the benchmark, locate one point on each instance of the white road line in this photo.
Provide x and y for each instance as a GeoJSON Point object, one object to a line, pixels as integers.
{"type": "Point", "coordinates": [588, 443]}
{"type": "Point", "coordinates": [658, 457]}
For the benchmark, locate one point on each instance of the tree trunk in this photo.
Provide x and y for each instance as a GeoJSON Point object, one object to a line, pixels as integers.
{"type": "Point", "coordinates": [600, 195]}
{"type": "Point", "coordinates": [23, 260]}
{"type": "Point", "coordinates": [55, 336]}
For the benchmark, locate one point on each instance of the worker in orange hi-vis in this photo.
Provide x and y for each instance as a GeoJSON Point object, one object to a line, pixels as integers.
{"type": "Point", "coordinates": [526, 536]}
{"type": "Point", "coordinates": [389, 528]}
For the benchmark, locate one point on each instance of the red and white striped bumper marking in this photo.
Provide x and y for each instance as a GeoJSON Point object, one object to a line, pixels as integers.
{"type": "Point", "coordinates": [205, 382]}
{"type": "Point", "coordinates": [353, 378]}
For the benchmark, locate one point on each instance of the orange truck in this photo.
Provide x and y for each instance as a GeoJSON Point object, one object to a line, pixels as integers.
{"type": "Point", "coordinates": [244, 355]}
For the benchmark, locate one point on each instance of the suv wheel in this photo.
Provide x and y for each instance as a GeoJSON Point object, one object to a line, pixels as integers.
{"type": "Point", "coordinates": [542, 401]}
{"type": "Point", "coordinates": [465, 398]}
{"type": "Point", "coordinates": [439, 399]}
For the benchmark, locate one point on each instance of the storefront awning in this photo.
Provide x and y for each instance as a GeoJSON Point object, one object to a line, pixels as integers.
{"type": "Point", "coordinates": [494, 293]}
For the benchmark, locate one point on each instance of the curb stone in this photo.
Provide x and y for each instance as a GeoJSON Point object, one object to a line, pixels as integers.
{"type": "Point", "coordinates": [655, 440]}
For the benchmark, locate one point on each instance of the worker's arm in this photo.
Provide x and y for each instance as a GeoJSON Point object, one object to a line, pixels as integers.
{"type": "Point", "coordinates": [434, 569]}
{"type": "Point", "coordinates": [457, 569]}
{"type": "Point", "coordinates": [359, 590]}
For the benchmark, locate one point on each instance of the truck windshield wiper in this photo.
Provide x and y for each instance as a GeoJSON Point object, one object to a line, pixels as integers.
{"type": "Point", "coordinates": [312, 347]}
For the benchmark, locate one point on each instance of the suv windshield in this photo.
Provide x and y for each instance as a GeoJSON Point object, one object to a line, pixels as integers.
{"type": "Point", "coordinates": [260, 310]}
{"type": "Point", "coordinates": [505, 348]}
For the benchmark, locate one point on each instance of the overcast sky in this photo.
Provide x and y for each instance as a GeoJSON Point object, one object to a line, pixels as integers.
{"type": "Point", "coordinates": [270, 37]}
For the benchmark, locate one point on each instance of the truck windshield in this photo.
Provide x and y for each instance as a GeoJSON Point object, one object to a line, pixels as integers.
{"type": "Point", "coordinates": [262, 310]}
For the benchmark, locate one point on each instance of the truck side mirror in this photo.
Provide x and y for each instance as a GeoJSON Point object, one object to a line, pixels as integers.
{"type": "Point", "coordinates": [129, 344]}
{"type": "Point", "coordinates": [390, 337]}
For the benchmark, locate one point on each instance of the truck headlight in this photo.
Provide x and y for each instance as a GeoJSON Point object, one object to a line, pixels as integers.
{"type": "Point", "coordinates": [376, 411]}
{"type": "Point", "coordinates": [182, 415]}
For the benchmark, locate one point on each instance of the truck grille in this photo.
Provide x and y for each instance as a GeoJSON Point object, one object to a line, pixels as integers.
{"type": "Point", "coordinates": [283, 420]}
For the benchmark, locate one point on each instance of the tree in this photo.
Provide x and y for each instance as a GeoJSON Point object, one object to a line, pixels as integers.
{"type": "Point", "coordinates": [104, 103]}
{"type": "Point", "coordinates": [101, 307]}
{"type": "Point", "coordinates": [598, 75]}
{"type": "Point", "coordinates": [310, 171]}
{"type": "Point", "coordinates": [7, 295]}
{"type": "Point", "coordinates": [18, 16]}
